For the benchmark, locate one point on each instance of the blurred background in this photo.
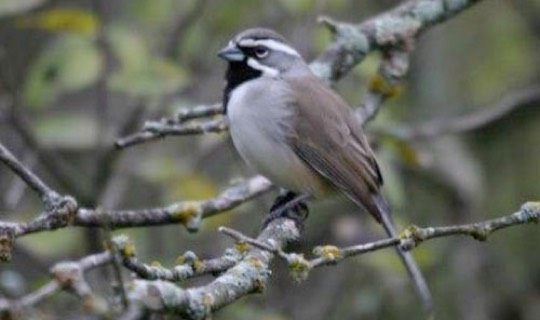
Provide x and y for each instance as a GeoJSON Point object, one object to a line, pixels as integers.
{"type": "Point", "coordinates": [75, 75]}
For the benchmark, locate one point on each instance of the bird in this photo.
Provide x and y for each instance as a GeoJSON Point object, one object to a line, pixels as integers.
{"type": "Point", "coordinates": [291, 127]}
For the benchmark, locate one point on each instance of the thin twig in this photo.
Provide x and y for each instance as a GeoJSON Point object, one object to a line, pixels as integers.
{"type": "Point", "coordinates": [395, 27]}
{"type": "Point", "coordinates": [188, 213]}
{"type": "Point", "coordinates": [252, 273]}
{"type": "Point", "coordinates": [189, 265]}
{"type": "Point", "coordinates": [246, 277]}
{"type": "Point", "coordinates": [67, 276]}
{"type": "Point", "coordinates": [61, 170]}
{"type": "Point", "coordinates": [202, 111]}
{"type": "Point", "coordinates": [46, 193]}
{"type": "Point", "coordinates": [474, 120]}
{"type": "Point", "coordinates": [410, 238]}
{"type": "Point", "coordinates": [393, 33]}
{"type": "Point", "coordinates": [159, 130]}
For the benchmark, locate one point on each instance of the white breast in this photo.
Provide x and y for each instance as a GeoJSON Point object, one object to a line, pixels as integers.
{"type": "Point", "coordinates": [259, 113]}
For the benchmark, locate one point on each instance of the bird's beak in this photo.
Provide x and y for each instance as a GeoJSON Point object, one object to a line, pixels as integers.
{"type": "Point", "coordinates": [231, 53]}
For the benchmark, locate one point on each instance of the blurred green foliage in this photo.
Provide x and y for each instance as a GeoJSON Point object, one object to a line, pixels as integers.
{"type": "Point", "coordinates": [69, 63]}
{"type": "Point", "coordinates": [54, 48]}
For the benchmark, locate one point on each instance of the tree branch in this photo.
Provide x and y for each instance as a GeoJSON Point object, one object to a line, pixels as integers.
{"type": "Point", "coordinates": [393, 33]}
{"type": "Point", "coordinates": [252, 272]}
{"type": "Point", "coordinates": [189, 266]}
{"type": "Point", "coordinates": [68, 276]}
{"type": "Point", "coordinates": [188, 213]}
{"type": "Point", "coordinates": [409, 239]}
{"type": "Point", "coordinates": [64, 211]}
{"type": "Point", "coordinates": [472, 121]}
{"type": "Point", "coordinates": [248, 276]}
{"type": "Point", "coordinates": [244, 269]}
{"type": "Point", "coordinates": [391, 29]}
{"type": "Point", "coordinates": [158, 130]}
{"type": "Point", "coordinates": [46, 193]}
{"type": "Point", "coordinates": [413, 236]}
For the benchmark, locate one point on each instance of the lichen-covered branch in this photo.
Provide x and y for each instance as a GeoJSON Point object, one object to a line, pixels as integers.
{"type": "Point", "coordinates": [393, 33]}
{"type": "Point", "coordinates": [248, 276]}
{"type": "Point", "coordinates": [410, 238]}
{"type": "Point", "coordinates": [47, 194]}
{"type": "Point", "coordinates": [158, 130]}
{"type": "Point", "coordinates": [65, 211]}
{"type": "Point", "coordinates": [243, 270]}
{"type": "Point", "coordinates": [177, 125]}
{"type": "Point", "coordinates": [68, 276]}
{"type": "Point", "coordinates": [391, 29]}
{"type": "Point", "coordinates": [189, 265]}
{"type": "Point", "coordinates": [188, 213]}
{"type": "Point", "coordinates": [251, 273]}
{"type": "Point", "coordinates": [202, 111]}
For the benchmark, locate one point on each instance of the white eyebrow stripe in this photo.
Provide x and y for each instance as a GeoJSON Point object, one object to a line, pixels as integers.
{"type": "Point", "coordinates": [267, 71]}
{"type": "Point", "coordinates": [270, 44]}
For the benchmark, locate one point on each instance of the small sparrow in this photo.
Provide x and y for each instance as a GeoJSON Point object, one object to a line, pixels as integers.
{"type": "Point", "coordinates": [300, 134]}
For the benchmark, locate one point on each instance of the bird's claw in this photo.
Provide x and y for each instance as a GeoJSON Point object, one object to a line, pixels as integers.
{"type": "Point", "coordinates": [287, 205]}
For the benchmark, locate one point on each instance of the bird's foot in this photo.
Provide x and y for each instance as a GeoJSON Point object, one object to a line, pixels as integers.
{"type": "Point", "coordinates": [288, 205]}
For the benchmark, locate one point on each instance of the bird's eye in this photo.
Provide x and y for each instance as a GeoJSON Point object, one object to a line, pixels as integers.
{"type": "Point", "coordinates": [261, 52]}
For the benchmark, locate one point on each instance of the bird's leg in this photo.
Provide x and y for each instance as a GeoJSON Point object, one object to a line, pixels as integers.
{"type": "Point", "coordinates": [288, 205]}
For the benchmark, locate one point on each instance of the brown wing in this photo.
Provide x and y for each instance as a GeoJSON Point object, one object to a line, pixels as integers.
{"type": "Point", "coordinates": [329, 138]}
{"type": "Point", "coordinates": [331, 141]}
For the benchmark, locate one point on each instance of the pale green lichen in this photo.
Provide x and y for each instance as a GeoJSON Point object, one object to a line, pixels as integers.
{"type": "Point", "coordinates": [411, 231]}
{"type": "Point", "coordinates": [155, 263]}
{"type": "Point", "coordinates": [188, 213]}
{"type": "Point", "coordinates": [429, 11]}
{"type": "Point", "coordinates": [190, 258]}
{"type": "Point", "coordinates": [390, 30]}
{"type": "Point", "coordinates": [254, 261]}
{"type": "Point", "coordinates": [241, 246]}
{"type": "Point", "coordinates": [232, 254]}
{"type": "Point", "coordinates": [411, 237]}
{"type": "Point", "coordinates": [124, 245]}
{"type": "Point", "coordinates": [530, 212]}
{"type": "Point", "coordinates": [379, 84]}
{"type": "Point", "coordinates": [321, 70]}
{"type": "Point", "coordinates": [327, 252]}
{"type": "Point", "coordinates": [353, 38]}
{"type": "Point", "coordinates": [298, 266]}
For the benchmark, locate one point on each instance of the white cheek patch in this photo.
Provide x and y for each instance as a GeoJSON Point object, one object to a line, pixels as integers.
{"type": "Point", "coordinates": [267, 71]}
{"type": "Point", "coordinates": [270, 44]}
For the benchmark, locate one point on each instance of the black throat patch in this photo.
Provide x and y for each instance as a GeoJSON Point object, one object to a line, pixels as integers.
{"type": "Point", "coordinates": [237, 73]}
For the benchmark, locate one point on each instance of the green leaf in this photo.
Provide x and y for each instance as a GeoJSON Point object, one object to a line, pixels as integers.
{"type": "Point", "coordinates": [69, 63]}
{"type": "Point", "coordinates": [128, 47]}
{"type": "Point", "coordinates": [154, 78]}
{"type": "Point", "coordinates": [62, 19]}
{"type": "Point", "coordinates": [141, 74]}
{"type": "Point", "coordinates": [66, 130]}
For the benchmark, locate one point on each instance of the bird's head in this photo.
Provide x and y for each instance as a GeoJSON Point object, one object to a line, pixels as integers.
{"type": "Point", "coordinates": [261, 51]}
